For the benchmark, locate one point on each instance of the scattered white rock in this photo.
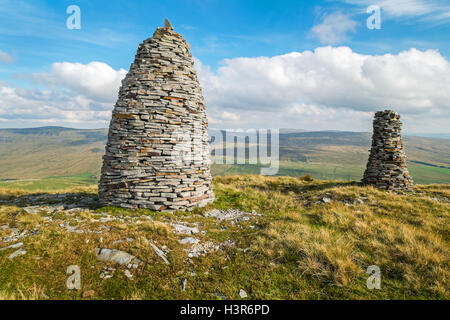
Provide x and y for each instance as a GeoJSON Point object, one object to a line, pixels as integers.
{"type": "Point", "coordinates": [105, 273]}
{"type": "Point", "coordinates": [15, 235]}
{"type": "Point", "coordinates": [183, 229]}
{"type": "Point", "coordinates": [116, 256]}
{"type": "Point", "coordinates": [106, 219]}
{"type": "Point", "coordinates": [232, 215]}
{"type": "Point", "coordinates": [189, 240]}
{"type": "Point", "coordinates": [123, 240]}
{"type": "Point", "coordinates": [128, 274]}
{"type": "Point", "coordinates": [32, 210]}
{"type": "Point", "coordinates": [73, 229]}
{"type": "Point", "coordinates": [44, 296]}
{"type": "Point", "coordinates": [160, 253]}
{"type": "Point", "coordinates": [201, 249]}
{"type": "Point", "coordinates": [13, 246]}
{"type": "Point", "coordinates": [17, 253]}
{"type": "Point", "coordinates": [326, 200]}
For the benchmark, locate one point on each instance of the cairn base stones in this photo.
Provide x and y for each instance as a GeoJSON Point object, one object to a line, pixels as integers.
{"type": "Point", "coordinates": [157, 154]}
{"type": "Point", "coordinates": [386, 168]}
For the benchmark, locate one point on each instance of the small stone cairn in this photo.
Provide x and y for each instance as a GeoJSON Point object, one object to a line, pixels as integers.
{"type": "Point", "coordinates": [157, 155]}
{"type": "Point", "coordinates": [386, 168]}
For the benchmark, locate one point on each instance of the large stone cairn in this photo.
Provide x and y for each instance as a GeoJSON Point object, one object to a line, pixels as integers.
{"type": "Point", "coordinates": [386, 168]}
{"type": "Point", "coordinates": [157, 155]}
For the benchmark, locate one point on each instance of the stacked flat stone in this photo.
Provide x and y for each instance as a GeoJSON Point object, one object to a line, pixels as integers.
{"type": "Point", "coordinates": [386, 168]}
{"type": "Point", "coordinates": [157, 155]}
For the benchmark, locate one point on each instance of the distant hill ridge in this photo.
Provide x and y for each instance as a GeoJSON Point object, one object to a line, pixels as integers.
{"type": "Point", "coordinates": [53, 130]}
{"type": "Point", "coordinates": [60, 151]}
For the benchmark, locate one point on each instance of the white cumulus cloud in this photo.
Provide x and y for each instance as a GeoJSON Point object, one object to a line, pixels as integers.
{"type": "Point", "coordinates": [80, 95]}
{"type": "Point", "coordinates": [328, 84]}
{"type": "Point", "coordinates": [96, 80]}
{"type": "Point", "coordinates": [330, 88]}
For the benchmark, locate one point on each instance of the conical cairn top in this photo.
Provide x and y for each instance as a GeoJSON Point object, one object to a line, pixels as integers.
{"type": "Point", "coordinates": [167, 25]}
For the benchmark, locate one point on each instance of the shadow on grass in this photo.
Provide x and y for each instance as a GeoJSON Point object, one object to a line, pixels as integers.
{"type": "Point", "coordinates": [89, 200]}
{"type": "Point", "coordinates": [68, 199]}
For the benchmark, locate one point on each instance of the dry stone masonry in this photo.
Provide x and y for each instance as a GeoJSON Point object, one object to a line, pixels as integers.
{"type": "Point", "coordinates": [386, 168]}
{"type": "Point", "coordinates": [157, 155]}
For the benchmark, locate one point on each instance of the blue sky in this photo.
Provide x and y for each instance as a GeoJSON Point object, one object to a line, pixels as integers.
{"type": "Point", "coordinates": [34, 36]}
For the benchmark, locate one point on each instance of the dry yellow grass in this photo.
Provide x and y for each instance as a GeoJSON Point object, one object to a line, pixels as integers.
{"type": "Point", "coordinates": [300, 248]}
{"type": "Point", "coordinates": [406, 235]}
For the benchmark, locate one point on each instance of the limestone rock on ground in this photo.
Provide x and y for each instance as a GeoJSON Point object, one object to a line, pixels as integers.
{"type": "Point", "coordinates": [232, 215]}
{"type": "Point", "coordinates": [116, 256]}
{"type": "Point", "coordinates": [160, 253]}
{"type": "Point", "coordinates": [17, 253]}
{"type": "Point", "coordinates": [183, 229]}
{"type": "Point", "coordinates": [243, 294]}
{"type": "Point", "coordinates": [189, 240]}
{"type": "Point", "coordinates": [13, 246]}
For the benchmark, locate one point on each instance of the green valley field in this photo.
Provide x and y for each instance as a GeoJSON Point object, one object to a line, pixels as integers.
{"type": "Point", "coordinates": [72, 157]}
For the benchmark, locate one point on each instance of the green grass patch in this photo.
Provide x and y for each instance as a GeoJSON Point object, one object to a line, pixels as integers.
{"type": "Point", "coordinates": [51, 183]}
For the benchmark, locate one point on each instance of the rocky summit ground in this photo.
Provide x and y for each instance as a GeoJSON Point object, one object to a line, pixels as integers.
{"type": "Point", "coordinates": [263, 238]}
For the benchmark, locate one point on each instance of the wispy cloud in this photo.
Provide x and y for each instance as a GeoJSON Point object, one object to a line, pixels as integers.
{"type": "Point", "coordinates": [188, 27]}
{"type": "Point", "coordinates": [334, 28]}
{"type": "Point", "coordinates": [427, 10]}
{"type": "Point", "coordinates": [6, 58]}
